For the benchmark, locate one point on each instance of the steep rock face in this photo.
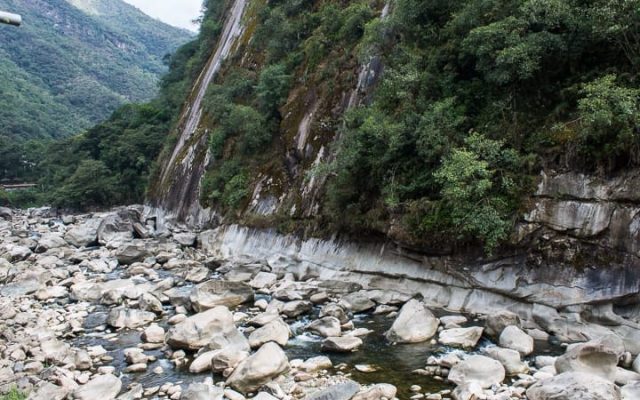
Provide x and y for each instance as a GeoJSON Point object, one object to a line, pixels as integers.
{"type": "Point", "coordinates": [286, 186]}
{"type": "Point", "coordinates": [178, 189]}
{"type": "Point", "coordinates": [574, 258]}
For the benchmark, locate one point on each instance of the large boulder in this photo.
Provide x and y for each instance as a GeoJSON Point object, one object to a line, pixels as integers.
{"type": "Point", "coordinates": [631, 391]}
{"type": "Point", "coordinates": [326, 327]}
{"type": "Point", "coordinates": [334, 310]}
{"type": "Point", "coordinates": [84, 234]}
{"type": "Point", "coordinates": [132, 252]}
{"type": "Point", "coordinates": [296, 308]}
{"type": "Point", "coordinates": [50, 241]}
{"type": "Point", "coordinates": [214, 293]}
{"type": "Point", "coordinates": [6, 213]}
{"type": "Point", "coordinates": [213, 328]}
{"type": "Point", "coordinates": [514, 338]}
{"type": "Point", "coordinates": [121, 317]}
{"type": "Point", "coordinates": [357, 302]}
{"type": "Point", "coordinates": [186, 239]}
{"type": "Point", "coordinates": [496, 322]}
{"type": "Point", "coordinates": [202, 391]}
{"type": "Point", "coordinates": [593, 358]}
{"type": "Point", "coordinates": [574, 386]}
{"type": "Point", "coordinates": [481, 369]}
{"type": "Point", "coordinates": [414, 324]}
{"type": "Point", "coordinates": [341, 391]}
{"type": "Point", "coordinates": [263, 280]}
{"type": "Point", "coordinates": [227, 358]}
{"type": "Point", "coordinates": [115, 228]}
{"type": "Point", "coordinates": [275, 331]}
{"type": "Point", "coordinates": [461, 337]}
{"type": "Point", "coordinates": [377, 392]}
{"type": "Point", "coordinates": [510, 360]}
{"type": "Point", "coordinates": [266, 364]}
{"type": "Point", "coordinates": [344, 344]}
{"type": "Point", "coordinates": [103, 387]}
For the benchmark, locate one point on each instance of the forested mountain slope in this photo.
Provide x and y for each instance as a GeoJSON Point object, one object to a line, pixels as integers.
{"type": "Point", "coordinates": [427, 122]}
{"type": "Point", "coordinates": [72, 63]}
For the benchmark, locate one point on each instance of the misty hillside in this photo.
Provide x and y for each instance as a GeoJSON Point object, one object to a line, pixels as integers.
{"type": "Point", "coordinates": [72, 63]}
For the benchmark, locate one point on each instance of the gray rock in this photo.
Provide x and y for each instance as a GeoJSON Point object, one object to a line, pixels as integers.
{"type": "Point", "coordinates": [592, 358]}
{"type": "Point", "coordinates": [202, 391]}
{"type": "Point", "coordinates": [266, 364]}
{"type": "Point", "coordinates": [636, 364]}
{"type": "Point", "coordinates": [624, 376]}
{"type": "Point", "coordinates": [132, 252]}
{"type": "Point", "coordinates": [114, 228]}
{"type": "Point", "coordinates": [84, 234]}
{"type": "Point", "coordinates": [6, 213]}
{"type": "Point", "coordinates": [296, 308]}
{"type": "Point", "coordinates": [275, 331]}
{"type": "Point", "coordinates": [49, 391]}
{"type": "Point", "coordinates": [516, 339]}
{"type": "Point", "coordinates": [574, 386]}
{"type": "Point", "coordinates": [315, 364]}
{"type": "Point", "coordinates": [227, 358]}
{"type": "Point", "coordinates": [214, 328]}
{"type": "Point", "coordinates": [343, 344]}
{"type": "Point", "coordinates": [129, 318]}
{"type": "Point", "coordinates": [631, 391]}
{"type": "Point", "coordinates": [263, 280]}
{"type": "Point", "coordinates": [461, 337]}
{"type": "Point", "coordinates": [484, 370]}
{"type": "Point", "coordinates": [103, 387]}
{"type": "Point", "coordinates": [136, 392]}
{"type": "Point", "coordinates": [19, 289]}
{"type": "Point", "coordinates": [414, 324]}
{"type": "Point", "coordinates": [336, 311]}
{"type": "Point", "coordinates": [187, 239]}
{"type": "Point", "coordinates": [510, 360]}
{"type": "Point", "coordinates": [50, 241]}
{"type": "Point", "coordinates": [149, 302]}
{"type": "Point", "coordinates": [153, 334]}
{"type": "Point", "coordinates": [377, 392]}
{"type": "Point", "coordinates": [496, 322]}
{"type": "Point", "coordinates": [19, 253]}
{"type": "Point", "coordinates": [220, 293]}
{"type": "Point", "coordinates": [326, 327]}
{"type": "Point", "coordinates": [357, 302]}
{"type": "Point", "coordinates": [341, 391]}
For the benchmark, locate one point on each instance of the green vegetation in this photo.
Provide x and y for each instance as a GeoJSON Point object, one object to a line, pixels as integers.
{"type": "Point", "coordinates": [546, 82]}
{"type": "Point", "coordinates": [68, 68]}
{"type": "Point", "coordinates": [476, 97]}
{"type": "Point", "coordinates": [112, 162]}
{"type": "Point", "coordinates": [14, 394]}
{"type": "Point", "coordinates": [292, 38]}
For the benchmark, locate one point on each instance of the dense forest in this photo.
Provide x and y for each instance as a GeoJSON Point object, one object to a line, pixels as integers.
{"type": "Point", "coordinates": [111, 162]}
{"type": "Point", "coordinates": [476, 97]}
{"type": "Point", "coordinates": [72, 63]}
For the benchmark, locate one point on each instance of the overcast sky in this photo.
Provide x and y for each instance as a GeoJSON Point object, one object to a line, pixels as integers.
{"type": "Point", "coordinates": [174, 12]}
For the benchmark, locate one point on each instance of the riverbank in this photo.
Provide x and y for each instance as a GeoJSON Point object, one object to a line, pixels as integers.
{"type": "Point", "coordinates": [116, 305]}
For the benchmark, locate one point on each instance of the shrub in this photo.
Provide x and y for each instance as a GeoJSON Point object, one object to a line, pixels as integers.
{"type": "Point", "coordinates": [609, 117]}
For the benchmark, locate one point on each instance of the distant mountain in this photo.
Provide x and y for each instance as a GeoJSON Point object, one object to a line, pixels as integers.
{"type": "Point", "coordinates": [73, 62]}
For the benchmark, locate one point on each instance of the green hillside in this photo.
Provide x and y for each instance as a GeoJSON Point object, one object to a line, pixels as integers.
{"type": "Point", "coordinates": [72, 63]}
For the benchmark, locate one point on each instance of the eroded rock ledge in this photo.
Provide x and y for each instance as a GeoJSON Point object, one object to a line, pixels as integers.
{"type": "Point", "coordinates": [576, 262]}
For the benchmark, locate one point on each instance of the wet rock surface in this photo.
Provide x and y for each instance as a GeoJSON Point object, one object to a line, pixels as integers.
{"type": "Point", "coordinates": [92, 309]}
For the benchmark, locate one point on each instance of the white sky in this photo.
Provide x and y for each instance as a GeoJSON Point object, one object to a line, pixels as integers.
{"type": "Point", "coordinates": [174, 12]}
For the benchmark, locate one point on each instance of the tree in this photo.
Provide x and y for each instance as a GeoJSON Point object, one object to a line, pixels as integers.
{"type": "Point", "coordinates": [273, 87]}
{"type": "Point", "coordinates": [609, 116]}
{"type": "Point", "coordinates": [92, 184]}
{"type": "Point", "coordinates": [475, 191]}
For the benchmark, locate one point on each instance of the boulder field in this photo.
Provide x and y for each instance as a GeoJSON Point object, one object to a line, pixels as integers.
{"type": "Point", "coordinates": [104, 306]}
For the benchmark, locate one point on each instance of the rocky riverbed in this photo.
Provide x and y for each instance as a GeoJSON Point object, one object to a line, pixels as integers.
{"type": "Point", "coordinates": [103, 307]}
